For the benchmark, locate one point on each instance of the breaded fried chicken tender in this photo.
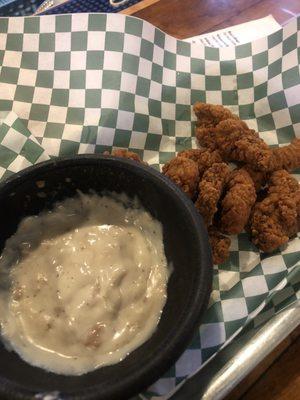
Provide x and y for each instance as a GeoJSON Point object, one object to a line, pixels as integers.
{"type": "Point", "coordinates": [124, 154]}
{"type": "Point", "coordinates": [184, 172]}
{"type": "Point", "coordinates": [259, 178]}
{"type": "Point", "coordinates": [287, 157]}
{"type": "Point", "coordinates": [203, 157]}
{"type": "Point", "coordinates": [220, 245]}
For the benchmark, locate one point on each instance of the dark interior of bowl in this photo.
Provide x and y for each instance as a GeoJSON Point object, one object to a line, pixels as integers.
{"type": "Point", "coordinates": [186, 248]}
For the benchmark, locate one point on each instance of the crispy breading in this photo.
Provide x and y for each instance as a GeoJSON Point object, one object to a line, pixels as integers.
{"type": "Point", "coordinates": [259, 178]}
{"type": "Point", "coordinates": [203, 157]}
{"type": "Point", "coordinates": [124, 154]}
{"type": "Point", "coordinates": [287, 157]}
{"type": "Point", "coordinates": [220, 245]}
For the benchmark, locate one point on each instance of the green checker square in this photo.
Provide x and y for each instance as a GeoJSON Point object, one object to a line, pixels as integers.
{"type": "Point", "coordinates": [47, 42]}
{"type": "Point", "coordinates": [152, 142]}
{"type": "Point", "coordinates": [209, 352]}
{"type": "Point", "coordinates": [146, 50]}
{"type": "Point", "coordinates": [275, 68]}
{"type": "Point", "coordinates": [229, 97]}
{"type": "Point", "coordinates": [30, 60]}
{"type": "Point", "coordinates": [260, 91]}
{"type": "Point", "coordinates": [63, 23]}
{"type": "Point", "coordinates": [183, 112]}
{"type": "Point", "coordinates": [159, 38]}
{"type": "Point", "coordinates": [24, 93]}
{"type": "Point", "coordinates": [169, 60]}
{"type": "Point", "coordinates": [9, 75]}
{"type": "Point", "coordinates": [265, 123]}
{"type": "Point", "coordinates": [114, 41]}
{"type": "Point", "coordinates": [60, 97]}
{"type": "Point", "coordinates": [291, 77]}
{"type": "Point", "coordinates": [20, 127]}
{"type": "Point", "coordinates": [39, 112]}
{"type": "Point", "coordinates": [68, 148]}
{"type": "Point", "coordinates": [31, 25]}
{"type": "Point", "coordinates": [6, 105]}
{"type": "Point", "coordinates": [244, 50]}
{"type": "Point", "coordinates": [94, 59]}
{"type": "Point", "coordinates": [1, 56]}
{"type": "Point", "coordinates": [228, 67]}
{"type": "Point", "coordinates": [234, 293]}
{"type": "Point", "coordinates": [14, 41]}
{"type": "Point", "coordinates": [6, 175]}
{"type": "Point", "coordinates": [289, 44]}
{"type": "Point", "coordinates": [213, 82]}
{"type": "Point", "coordinates": [256, 271]}
{"type": "Point", "coordinates": [197, 66]}
{"type": "Point", "coordinates": [245, 81]}
{"type": "Point", "coordinates": [111, 80]}
{"type": "Point", "coordinates": [101, 148]}
{"type": "Point", "coordinates": [183, 80]}
{"type": "Point", "coordinates": [156, 73]}
{"type": "Point", "coordinates": [122, 138]}
{"type": "Point", "coordinates": [254, 301]}
{"type": "Point", "coordinates": [275, 38]}
{"type": "Point", "coordinates": [75, 116]}
{"type": "Point", "coordinates": [168, 94]}
{"type": "Point", "coordinates": [7, 156]}
{"type": "Point", "coordinates": [97, 22]}
{"type": "Point", "coordinates": [89, 134]}
{"type": "Point", "coordinates": [232, 263]}
{"type": "Point", "coordinates": [198, 95]}
{"type": "Point", "coordinates": [130, 64]}
{"type": "Point", "coordinates": [277, 101]}
{"type": "Point", "coordinates": [246, 111]}
{"type": "Point", "coordinates": [168, 127]}
{"type": "Point", "coordinates": [3, 131]}
{"type": "Point", "coordinates": [62, 60]}
{"type": "Point", "coordinates": [126, 101]}
{"type": "Point", "coordinates": [183, 48]}
{"type": "Point", "coordinates": [31, 151]}
{"type": "Point", "coordinates": [143, 87]}
{"type": "Point", "coordinates": [295, 113]}
{"type": "Point", "coordinates": [286, 134]}
{"type": "Point", "coordinates": [54, 130]}
{"type": "Point", "coordinates": [260, 60]}
{"type": "Point", "coordinates": [165, 156]}
{"type": "Point", "coordinates": [4, 25]}
{"type": "Point", "coordinates": [274, 279]}
{"type": "Point", "coordinates": [79, 41]}
{"type": "Point", "coordinates": [108, 118]}
{"type": "Point", "coordinates": [154, 108]}
{"type": "Point", "coordinates": [45, 79]}
{"type": "Point", "coordinates": [214, 314]}
{"type": "Point", "coordinates": [93, 98]}
{"type": "Point", "coordinates": [141, 123]}
{"type": "Point", "coordinates": [134, 26]}
{"type": "Point", "coordinates": [212, 54]}
{"type": "Point", "coordinates": [183, 143]}
{"type": "Point", "coordinates": [232, 326]}
{"type": "Point", "coordinates": [77, 80]}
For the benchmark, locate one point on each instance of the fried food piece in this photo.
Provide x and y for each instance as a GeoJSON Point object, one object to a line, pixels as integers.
{"type": "Point", "coordinates": [210, 115]}
{"type": "Point", "coordinates": [220, 245]}
{"type": "Point", "coordinates": [259, 178]}
{"type": "Point", "coordinates": [203, 157]}
{"type": "Point", "coordinates": [287, 157]}
{"type": "Point", "coordinates": [277, 217]}
{"type": "Point", "coordinates": [124, 154]}
{"type": "Point", "coordinates": [238, 202]}
{"type": "Point", "coordinates": [210, 190]}
{"type": "Point", "coordinates": [184, 172]}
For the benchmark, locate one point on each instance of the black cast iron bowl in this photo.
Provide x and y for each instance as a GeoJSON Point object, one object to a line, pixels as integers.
{"type": "Point", "coordinates": [186, 247]}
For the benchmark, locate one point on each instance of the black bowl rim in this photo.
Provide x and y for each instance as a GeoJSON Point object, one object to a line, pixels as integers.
{"type": "Point", "coordinates": [149, 373]}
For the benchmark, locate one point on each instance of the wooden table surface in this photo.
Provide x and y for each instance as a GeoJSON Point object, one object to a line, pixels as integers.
{"type": "Point", "coordinates": [278, 379]}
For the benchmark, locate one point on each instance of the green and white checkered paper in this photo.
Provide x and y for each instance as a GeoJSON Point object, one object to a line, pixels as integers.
{"type": "Point", "coordinates": [86, 83]}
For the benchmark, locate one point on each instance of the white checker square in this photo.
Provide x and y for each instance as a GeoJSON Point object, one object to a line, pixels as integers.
{"type": "Point", "coordinates": [145, 68]}
{"type": "Point", "coordinates": [19, 163]}
{"type": "Point", "coordinates": [228, 82]}
{"type": "Point", "coordinates": [244, 65]}
{"type": "Point", "coordinates": [91, 116]}
{"type": "Point", "coordinates": [80, 22]}
{"type": "Point", "coordinates": [42, 95]}
{"type": "Point", "coordinates": [282, 118]}
{"type": "Point", "coordinates": [246, 96]}
{"type": "Point", "coordinates": [128, 82]}
{"type": "Point", "coordinates": [3, 38]}
{"type": "Point", "coordinates": [78, 60]}
{"type": "Point", "coordinates": [125, 120]}
{"type": "Point", "coordinates": [183, 96]}
{"type": "Point", "coordinates": [63, 41]}
{"type": "Point", "coordinates": [248, 260]}
{"type": "Point", "coordinates": [47, 24]}
{"type": "Point", "coordinates": [270, 137]}
{"type": "Point", "coordinates": [234, 309]}
{"type": "Point", "coordinates": [212, 68]}
{"type": "Point", "coordinates": [290, 28]}
{"type": "Point", "coordinates": [148, 32]}
{"type": "Point", "coordinates": [141, 105]}
{"type": "Point", "coordinates": [77, 98]}
{"type": "Point", "coordinates": [274, 85]}
{"type": "Point", "coordinates": [183, 63]}
{"type": "Point", "coordinates": [86, 148]}
{"type": "Point", "coordinates": [292, 96]}
{"type": "Point", "coordinates": [96, 40]}
{"type": "Point", "coordinates": [227, 53]}
{"type": "Point", "coordinates": [168, 111]}
{"type": "Point", "coordinates": [151, 157]}
{"type": "Point", "coordinates": [275, 53]}
{"type": "Point", "coordinates": [14, 140]}
{"type": "Point", "coordinates": [10, 117]}
{"type": "Point", "coordinates": [260, 76]}
{"type": "Point", "coordinates": [105, 136]}
{"type": "Point", "coordinates": [155, 91]}
{"type": "Point", "coordinates": [197, 51]}
{"type": "Point", "coordinates": [290, 60]}
{"type": "Point", "coordinates": [51, 146]}
{"type": "Point", "coordinates": [72, 132]}
{"type": "Point", "coordinates": [57, 114]}
{"type": "Point", "coordinates": [7, 91]}
{"type": "Point", "coordinates": [273, 265]}
{"type": "Point", "coordinates": [113, 60]}
{"type": "Point", "coordinates": [22, 109]}
{"type": "Point", "coordinates": [155, 125]}
{"type": "Point", "coordinates": [93, 79]}
{"type": "Point", "coordinates": [254, 286]}
{"type": "Point", "coordinates": [138, 140]}
{"type": "Point", "coordinates": [35, 128]}
{"type": "Point", "coordinates": [258, 45]}
{"type": "Point", "coordinates": [31, 42]}
{"type": "Point", "coordinates": [214, 97]}
{"type": "Point", "coordinates": [158, 55]}
{"type": "Point", "coordinates": [115, 22]}
{"type": "Point", "coordinates": [169, 77]}
{"type": "Point", "coordinates": [61, 79]}
{"type": "Point", "coordinates": [167, 143]}
{"type": "Point", "coordinates": [46, 61]}
{"type": "Point", "coordinates": [292, 246]}
{"type": "Point", "coordinates": [212, 334]}
{"type": "Point", "coordinates": [198, 81]}
{"type": "Point", "coordinates": [189, 362]}
{"type": "Point", "coordinates": [2, 171]}
{"type": "Point", "coordinates": [164, 386]}
{"type": "Point", "coordinates": [132, 44]}
{"type": "Point", "coordinates": [262, 107]}
{"type": "Point", "coordinates": [12, 59]}
{"type": "Point", "coordinates": [183, 128]}
{"type": "Point", "coordinates": [227, 279]}
{"type": "Point", "coordinates": [171, 45]}
{"type": "Point", "coordinates": [110, 99]}
{"type": "Point", "coordinates": [16, 25]}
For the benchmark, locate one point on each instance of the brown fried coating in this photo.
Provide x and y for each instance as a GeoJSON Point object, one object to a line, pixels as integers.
{"type": "Point", "coordinates": [184, 172]}
{"type": "Point", "coordinates": [259, 178]}
{"type": "Point", "coordinates": [220, 245]}
{"type": "Point", "coordinates": [276, 218]}
{"type": "Point", "coordinates": [205, 158]}
{"type": "Point", "coordinates": [209, 115]}
{"type": "Point", "coordinates": [124, 154]}
{"type": "Point", "coordinates": [238, 202]}
{"type": "Point", "coordinates": [287, 157]}
{"type": "Point", "coordinates": [211, 188]}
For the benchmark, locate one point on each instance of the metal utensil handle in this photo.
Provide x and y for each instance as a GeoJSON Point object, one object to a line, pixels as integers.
{"type": "Point", "coordinates": [117, 3]}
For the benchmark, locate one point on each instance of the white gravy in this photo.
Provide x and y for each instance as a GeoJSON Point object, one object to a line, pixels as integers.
{"type": "Point", "coordinates": [86, 284]}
